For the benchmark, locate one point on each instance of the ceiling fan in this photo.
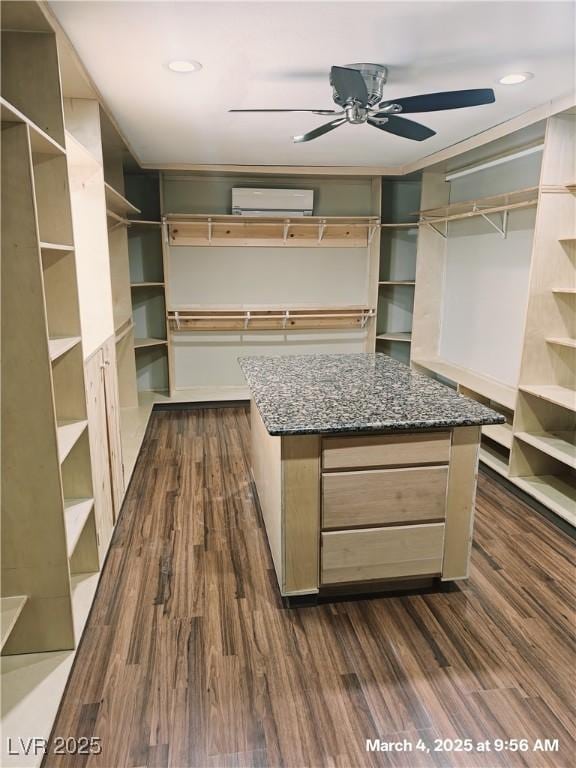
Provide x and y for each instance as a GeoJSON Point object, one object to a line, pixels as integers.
{"type": "Point", "coordinates": [358, 88]}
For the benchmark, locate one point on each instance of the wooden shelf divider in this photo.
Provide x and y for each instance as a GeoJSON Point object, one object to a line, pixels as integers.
{"type": "Point", "coordinates": [562, 341]}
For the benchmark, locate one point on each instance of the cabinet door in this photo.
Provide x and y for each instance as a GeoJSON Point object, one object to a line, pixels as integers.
{"type": "Point", "coordinates": [113, 425]}
{"type": "Point", "coordinates": [98, 435]}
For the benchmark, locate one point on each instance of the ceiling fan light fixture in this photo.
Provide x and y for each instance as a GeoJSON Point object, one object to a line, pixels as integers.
{"type": "Point", "coordinates": [184, 66]}
{"type": "Point", "coordinates": [515, 78]}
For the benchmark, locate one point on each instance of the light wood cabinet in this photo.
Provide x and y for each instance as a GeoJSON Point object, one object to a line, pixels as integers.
{"type": "Point", "coordinates": [380, 497]}
{"type": "Point", "coordinates": [386, 450]}
{"type": "Point", "coordinates": [382, 553]}
{"type": "Point", "coordinates": [105, 447]}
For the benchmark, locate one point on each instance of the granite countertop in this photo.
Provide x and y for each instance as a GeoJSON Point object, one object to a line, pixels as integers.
{"type": "Point", "coordinates": [330, 394]}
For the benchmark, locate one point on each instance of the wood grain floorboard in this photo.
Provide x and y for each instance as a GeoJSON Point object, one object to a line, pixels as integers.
{"type": "Point", "coordinates": [189, 659]}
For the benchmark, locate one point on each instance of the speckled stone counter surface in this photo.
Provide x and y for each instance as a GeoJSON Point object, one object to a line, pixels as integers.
{"type": "Point", "coordinates": [330, 394]}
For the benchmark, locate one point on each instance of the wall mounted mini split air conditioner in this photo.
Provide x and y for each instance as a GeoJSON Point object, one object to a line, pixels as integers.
{"type": "Point", "coordinates": [272, 202]}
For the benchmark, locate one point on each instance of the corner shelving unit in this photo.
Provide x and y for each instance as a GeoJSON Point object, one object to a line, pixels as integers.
{"type": "Point", "coordinates": [146, 269]}
{"type": "Point", "coordinates": [46, 460]}
{"type": "Point", "coordinates": [397, 270]}
{"type": "Point", "coordinates": [536, 448]}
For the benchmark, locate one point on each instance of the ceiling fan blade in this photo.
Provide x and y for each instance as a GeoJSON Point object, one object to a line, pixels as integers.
{"type": "Point", "coordinates": [313, 111]}
{"type": "Point", "coordinates": [434, 102]}
{"type": "Point", "coordinates": [349, 85]}
{"type": "Point", "coordinates": [320, 131]}
{"type": "Point", "coordinates": [399, 126]}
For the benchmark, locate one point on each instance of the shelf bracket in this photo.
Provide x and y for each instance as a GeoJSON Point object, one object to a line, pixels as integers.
{"type": "Point", "coordinates": [371, 232]}
{"type": "Point", "coordinates": [321, 228]}
{"type": "Point", "coordinates": [503, 228]}
{"type": "Point", "coordinates": [177, 318]}
{"type": "Point", "coordinates": [209, 222]}
{"type": "Point", "coordinates": [286, 228]}
{"type": "Point", "coordinates": [165, 231]}
{"type": "Point", "coordinates": [246, 320]}
{"type": "Point", "coordinates": [286, 318]}
{"type": "Point", "coordinates": [437, 229]}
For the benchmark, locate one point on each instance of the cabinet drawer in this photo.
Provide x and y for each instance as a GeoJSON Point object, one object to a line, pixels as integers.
{"type": "Point", "coordinates": [386, 450]}
{"type": "Point", "coordinates": [381, 496]}
{"type": "Point", "coordinates": [382, 553]}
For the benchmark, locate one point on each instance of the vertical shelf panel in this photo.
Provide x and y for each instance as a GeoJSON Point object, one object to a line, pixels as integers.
{"type": "Point", "coordinates": [32, 519]}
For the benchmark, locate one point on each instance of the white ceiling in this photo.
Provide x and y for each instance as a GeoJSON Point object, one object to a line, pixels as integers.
{"type": "Point", "coordinates": [278, 54]}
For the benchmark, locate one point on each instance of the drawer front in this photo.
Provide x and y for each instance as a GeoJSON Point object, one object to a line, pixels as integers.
{"type": "Point", "coordinates": [386, 450]}
{"type": "Point", "coordinates": [382, 553]}
{"type": "Point", "coordinates": [380, 497]}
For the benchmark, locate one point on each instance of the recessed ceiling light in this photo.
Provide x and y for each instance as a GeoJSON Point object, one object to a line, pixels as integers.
{"type": "Point", "coordinates": [182, 65]}
{"type": "Point", "coordinates": [515, 78]}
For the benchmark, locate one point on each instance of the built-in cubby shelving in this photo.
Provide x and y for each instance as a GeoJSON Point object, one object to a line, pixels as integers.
{"type": "Point", "coordinates": [553, 491]}
{"type": "Point", "coordinates": [495, 459]}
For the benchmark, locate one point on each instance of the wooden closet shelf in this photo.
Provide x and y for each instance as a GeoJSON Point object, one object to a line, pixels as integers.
{"type": "Point", "coordinates": [489, 388]}
{"type": "Point", "coordinates": [565, 397]}
{"type": "Point", "coordinates": [400, 336]}
{"type": "Point", "coordinates": [207, 319]}
{"type": "Point", "coordinates": [149, 342]}
{"type": "Point", "coordinates": [559, 444]}
{"type": "Point", "coordinates": [10, 609]}
{"type": "Point", "coordinates": [569, 291]}
{"type": "Point", "coordinates": [84, 587]}
{"type": "Point", "coordinates": [303, 231]}
{"type": "Point", "coordinates": [117, 219]}
{"type": "Point", "coordinates": [40, 142]}
{"type": "Point", "coordinates": [56, 247]}
{"type": "Point", "coordinates": [499, 433]}
{"type": "Point", "coordinates": [562, 341]}
{"type": "Point", "coordinates": [69, 432]}
{"type": "Point", "coordinates": [76, 514]}
{"type": "Point", "coordinates": [553, 491]}
{"type": "Point", "coordinates": [117, 203]}
{"type": "Point", "coordinates": [144, 223]}
{"type": "Point", "coordinates": [522, 198]}
{"type": "Point", "coordinates": [397, 282]}
{"type": "Point", "coordinates": [58, 346]}
{"type": "Point", "coordinates": [494, 460]}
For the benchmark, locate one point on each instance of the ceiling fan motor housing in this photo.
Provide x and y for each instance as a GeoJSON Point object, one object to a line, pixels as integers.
{"type": "Point", "coordinates": [374, 75]}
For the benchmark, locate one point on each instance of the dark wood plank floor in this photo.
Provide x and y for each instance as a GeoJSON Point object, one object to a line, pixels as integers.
{"type": "Point", "coordinates": [189, 659]}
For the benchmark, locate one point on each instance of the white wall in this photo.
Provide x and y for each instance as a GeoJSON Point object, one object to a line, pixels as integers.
{"type": "Point", "coordinates": [486, 279]}
{"type": "Point", "coordinates": [267, 276]}
{"type": "Point", "coordinates": [211, 359]}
